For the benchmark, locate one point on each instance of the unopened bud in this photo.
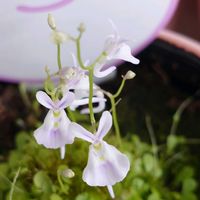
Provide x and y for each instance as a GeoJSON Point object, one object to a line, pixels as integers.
{"type": "Point", "coordinates": [82, 27]}
{"type": "Point", "coordinates": [68, 173]}
{"type": "Point", "coordinates": [51, 22]}
{"type": "Point", "coordinates": [59, 37]}
{"type": "Point", "coordinates": [129, 75]}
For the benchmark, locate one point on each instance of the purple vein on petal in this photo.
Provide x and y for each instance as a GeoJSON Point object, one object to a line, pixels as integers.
{"type": "Point", "coordinates": [50, 104]}
{"type": "Point", "coordinates": [112, 172]}
{"type": "Point", "coordinates": [45, 8]}
{"type": "Point", "coordinates": [63, 103]}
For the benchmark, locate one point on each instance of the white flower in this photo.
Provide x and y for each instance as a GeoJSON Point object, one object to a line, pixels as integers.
{"type": "Point", "coordinates": [54, 132]}
{"type": "Point", "coordinates": [114, 48]}
{"type": "Point", "coordinates": [106, 165]}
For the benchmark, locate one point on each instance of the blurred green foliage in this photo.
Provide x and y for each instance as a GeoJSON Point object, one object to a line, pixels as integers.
{"type": "Point", "coordinates": [164, 176]}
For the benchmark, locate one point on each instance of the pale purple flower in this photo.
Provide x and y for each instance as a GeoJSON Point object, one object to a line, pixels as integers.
{"type": "Point", "coordinates": [54, 132]}
{"type": "Point", "coordinates": [115, 48]}
{"type": "Point", "coordinates": [71, 76]}
{"type": "Point", "coordinates": [76, 79]}
{"type": "Point", "coordinates": [106, 165]}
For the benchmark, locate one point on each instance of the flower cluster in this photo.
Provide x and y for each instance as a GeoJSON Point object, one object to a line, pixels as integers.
{"type": "Point", "coordinates": [72, 87]}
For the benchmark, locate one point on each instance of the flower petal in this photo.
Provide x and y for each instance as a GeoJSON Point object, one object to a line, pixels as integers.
{"type": "Point", "coordinates": [124, 53]}
{"type": "Point", "coordinates": [74, 60]}
{"type": "Point", "coordinates": [115, 30]}
{"type": "Point", "coordinates": [100, 74]}
{"type": "Point", "coordinates": [106, 166]}
{"type": "Point", "coordinates": [44, 100]}
{"type": "Point", "coordinates": [105, 125]}
{"type": "Point", "coordinates": [66, 134]}
{"type": "Point", "coordinates": [85, 101]}
{"type": "Point", "coordinates": [67, 99]}
{"type": "Point", "coordinates": [96, 109]}
{"type": "Point", "coordinates": [81, 132]}
{"type": "Point", "coordinates": [54, 132]}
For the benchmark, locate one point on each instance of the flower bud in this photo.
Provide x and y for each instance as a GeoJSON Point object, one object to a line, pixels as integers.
{"type": "Point", "coordinates": [51, 22]}
{"type": "Point", "coordinates": [129, 75]}
{"type": "Point", "coordinates": [59, 37]}
{"type": "Point", "coordinates": [82, 27]}
{"type": "Point", "coordinates": [68, 173]}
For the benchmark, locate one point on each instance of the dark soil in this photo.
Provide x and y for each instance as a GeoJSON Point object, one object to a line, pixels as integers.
{"type": "Point", "coordinates": [11, 108]}
{"type": "Point", "coordinates": [165, 77]}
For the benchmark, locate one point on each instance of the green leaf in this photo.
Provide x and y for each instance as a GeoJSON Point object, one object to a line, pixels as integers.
{"type": "Point", "coordinates": [42, 181]}
{"type": "Point", "coordinates": [83, 196]}
{"type": "Point", "coordinates": [88, 196]}
{"type": "Point", "coordinates": [55, 197]}
{"type": "Point", "coordinates": [154, 196]}
{"type": "Point", "coordinates": [189, 185]}
{"type": "Point", "coordinates": [22, 139]}
{"type": "Point", "coordinates": [189, 196]}
{"type": "Point", "coordinates": [140, 185]}
{"type": "Point", "coordinates": [14, 159]}
{"type": "Point", "coordinates": [5, 183]}
{"type": "Point", "coordinates": [137, 166]}
{"type": "Point", "coordinates": [4, 168]}
{"type": "Point", "coordinates": [18, 196]}
{"type": "Point", "coordinates": [185, 173]}
{"type": "Point", "coordinates": [148, 161]}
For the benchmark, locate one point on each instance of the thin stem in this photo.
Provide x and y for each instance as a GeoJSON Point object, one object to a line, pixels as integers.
{"type": "Point", "coordinates": [115, 120]}
{"type": "Point", "coordinates": [178, 113]}
{"type": "Point", "coordinates": [59, 57]}
{"type": "Point", "coordinates": [116, 103]}
{"type": "Point", "coordinates": [114, 114]}
{"type": "Point", "coordinates": [152, 135]}
{"type": "Point", "coordinates": [13, 184]}
{"type": "Point", "coordinates": [92, 118]}
{"type": "Point", "coordinates": [120, 88]}
{"type": "Point", "coordinates": [98, 59]}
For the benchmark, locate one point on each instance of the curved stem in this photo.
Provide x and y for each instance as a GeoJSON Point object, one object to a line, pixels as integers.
{"type": "Point", "coordinates": [78, 47]}
{"type": "Point", "coordinates": [114, 114]}
{"type": "Point", "coordinates": [178, 113]}
{"type": "Point", "coordinates": [60, 182]}
{"type": "Point", "coordinates": [120, 88]}
{"type": "Point", "coordinates": [13, 184]}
